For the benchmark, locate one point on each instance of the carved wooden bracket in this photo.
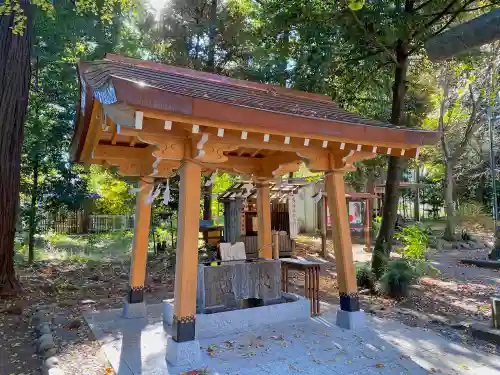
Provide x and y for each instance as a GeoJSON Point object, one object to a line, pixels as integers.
{"type": "Point", "coordinates": [213, 151]}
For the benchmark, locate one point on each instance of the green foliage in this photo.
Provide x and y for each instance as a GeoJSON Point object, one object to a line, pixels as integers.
{"type": "Point", "coordinates": [401, 273]}
{"type": "Point", "coordinates": [376, 223]}
{"type": "Point", "coordinates": [115, 198]}
{"type": "Point", "coordinates": [92, 241]}
{"type": "Point", "coordinates": [397, 278]}
{"type": "Point", "coordinates": [222, 183]}
{"type": "Point", "coordinates": [356, 4]}
{"type": "Point", "coordinates": [415, 241]}
{"type": "Point", "coordinates": [364, 276]}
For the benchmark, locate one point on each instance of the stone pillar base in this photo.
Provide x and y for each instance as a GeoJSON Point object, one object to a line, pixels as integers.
{"type": "Point", "coordinates": [185, 353]}
{"type": "Point", "coordinates": [168, 311]}
{"type": "Point", "coordinates": [351, 319]}
{"type": "Point", "coordinates": [134, 310]}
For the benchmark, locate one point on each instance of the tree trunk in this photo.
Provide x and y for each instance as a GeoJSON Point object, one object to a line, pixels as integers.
{"type": "Point", "coordinates": [14, 89]}
{"type": "Point", "coordinates": [449, 205]}
{"type": "Point", "coordinates": [383, 244]}
{"type": "Point", "coordinates": [480, 190]}
{"type": "Point", "coordinates": [32, 223]}
{"type": "Point", "coordinates": [207, 190]}
{"type": "Point", "coordinates": [207, 200]}
{"type": "Point", "coordinates": [211, 37]}
{"type": "Point", "coordinates": [465, 36]}
{"type": "Point", "coordinates": [416, 201]}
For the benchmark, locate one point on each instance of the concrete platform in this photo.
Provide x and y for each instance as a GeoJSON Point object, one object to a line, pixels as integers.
{"type": "Point", "coordinates": [298, 309]}
{"type": "Point", "coordinates": [315, 346]}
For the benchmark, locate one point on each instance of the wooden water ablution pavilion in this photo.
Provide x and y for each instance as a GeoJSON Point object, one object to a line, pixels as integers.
{"type": "Point", "coordinates": [149, 121]}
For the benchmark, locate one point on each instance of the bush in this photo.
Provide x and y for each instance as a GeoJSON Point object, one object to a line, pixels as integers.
{"type": "Point", "coordinates": [397, 278]}
{"type": "Point", "coordinates": [423, 268]}
{"type": "Point", "coordinates": [415, 241]}
{"type": "Point", "coordinates": [376, 223]}
{"type": "Point", "coordinates": [364, 276]}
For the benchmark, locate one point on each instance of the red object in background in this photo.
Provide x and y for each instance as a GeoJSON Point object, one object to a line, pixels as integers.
{"type": "Point", "coordinates": [351, 218]}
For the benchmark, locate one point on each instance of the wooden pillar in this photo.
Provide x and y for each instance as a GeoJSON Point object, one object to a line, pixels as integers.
{"type": "Point", "coordinates": [369, 205]}
{"type": "Point", "coordinates": [346, 273]}
{"type": "Point", "coordinates": [141, 240]}
{"type": "Point", "coordinates": [183, 326]}
{"type": "Point", "coordinates": [416, 202]}
{"type": "Point", "coordinates": [323, 223]}
{"type": "Point", "coordinates": [264, 221]}
{"type": "Point", "coordinates": [276, 245]}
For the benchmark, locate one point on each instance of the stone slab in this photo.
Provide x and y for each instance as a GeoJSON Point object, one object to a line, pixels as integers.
{"type": "Point", "coordinates": [351, 319]}
{"type": "Point", "coordinates": [134, 310]}
{"type": "Point", "coordinates": [314, 346]}
{"type": "Point", "coordinates": [183, 353]}
{"type": "Point", "coordinates": [226, 285]}
{"type": "Point", "coordinates": [486, 333]}
{"type": "Point", "coordinates": [236, 321]}
{"type": "Point", "coordinates": [482, 263]}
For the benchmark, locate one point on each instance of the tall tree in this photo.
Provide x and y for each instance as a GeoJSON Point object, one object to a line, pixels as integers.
{"type": "Point", "coordinates": [16, 19]}
{"type": "Point", "coordinates": [467, 85]}
{"type": "Point", "coordinates": [14, 89]}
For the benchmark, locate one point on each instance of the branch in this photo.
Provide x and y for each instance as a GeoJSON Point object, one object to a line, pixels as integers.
{"type": "Point", "coordinates": [363, 57]}
{"type": "Point", "coordinates": [469, 130]}
{"type": "Point", "coordinates": [423, 5]}
{"type": "Point", "coordinates": [441, 127]}
{"type": "Point", "coordinates": [362, 27]}
{"type": "Point", "coordinates": [435, 19]}
{"type": "Point", "coordinates": [490, 5]}
{"type": "Point", "coordinates": [454, 15]}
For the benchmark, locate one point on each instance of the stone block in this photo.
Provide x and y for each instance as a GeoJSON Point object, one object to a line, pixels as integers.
{"type": "Point", "coordinates": [168, 311]}
{"type": "Point", "coordinates": [486, 333]}
{"type": "Point", "coordinates": [183, 353]}
{"type": "Point", "coordinates": [134, 310]}
{"type": "Point", "coordinates": [494, 254]}
{"type": "Point", "coordinates": [49, 353]}
{"type": "Point", "coordinates": [51, 362]}
{"type": "Point", "coordinates": [235, 321]}
{"type": "Point", "coordinates": [351, 320]}
{"type": "Point", "coordinates": [55, 371]}
{"type": "Point", "coordinates": [46, 342]}
{"type": "Point", "coordinates": [43, 328]}
{"type": "Point", "coordinates": [41, 316]}
{"type": "Point", "coordinates": [495, 312]}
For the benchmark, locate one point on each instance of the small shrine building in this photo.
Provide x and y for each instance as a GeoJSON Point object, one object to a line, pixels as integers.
{"type": "Point", "coordinates": [149, 120]}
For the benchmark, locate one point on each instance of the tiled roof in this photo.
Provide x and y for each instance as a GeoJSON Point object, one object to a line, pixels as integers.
{"type": "Point", "coordinates": [99, 76]}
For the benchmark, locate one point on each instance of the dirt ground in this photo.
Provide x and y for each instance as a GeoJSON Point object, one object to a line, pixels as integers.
{"type": "Point", "coordinates": [459, 293]}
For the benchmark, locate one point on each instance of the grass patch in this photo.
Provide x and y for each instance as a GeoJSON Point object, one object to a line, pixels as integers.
{"type": "Point", "coordinates": [87, 247]}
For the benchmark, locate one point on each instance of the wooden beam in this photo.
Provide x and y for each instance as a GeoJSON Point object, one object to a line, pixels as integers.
{"type": "Point", "coordinates": [255, 153]}
{"type": "Point", "coordinates": [264, 233]}
{"type": "Point", "coordinates": [314, 138]}
{"type": "Point", "coordinates": [115, 134]}
{"type": "Point", "coordinates": [323, 225]}
{"type": "Point", "coordinates": [109, 152]}
{"type": "Point", "coordinates": [92, 133]}
{"type": "Point", "coordinates": [183, 328]}
{"type": "Point", "coordinates": [346, 274]}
